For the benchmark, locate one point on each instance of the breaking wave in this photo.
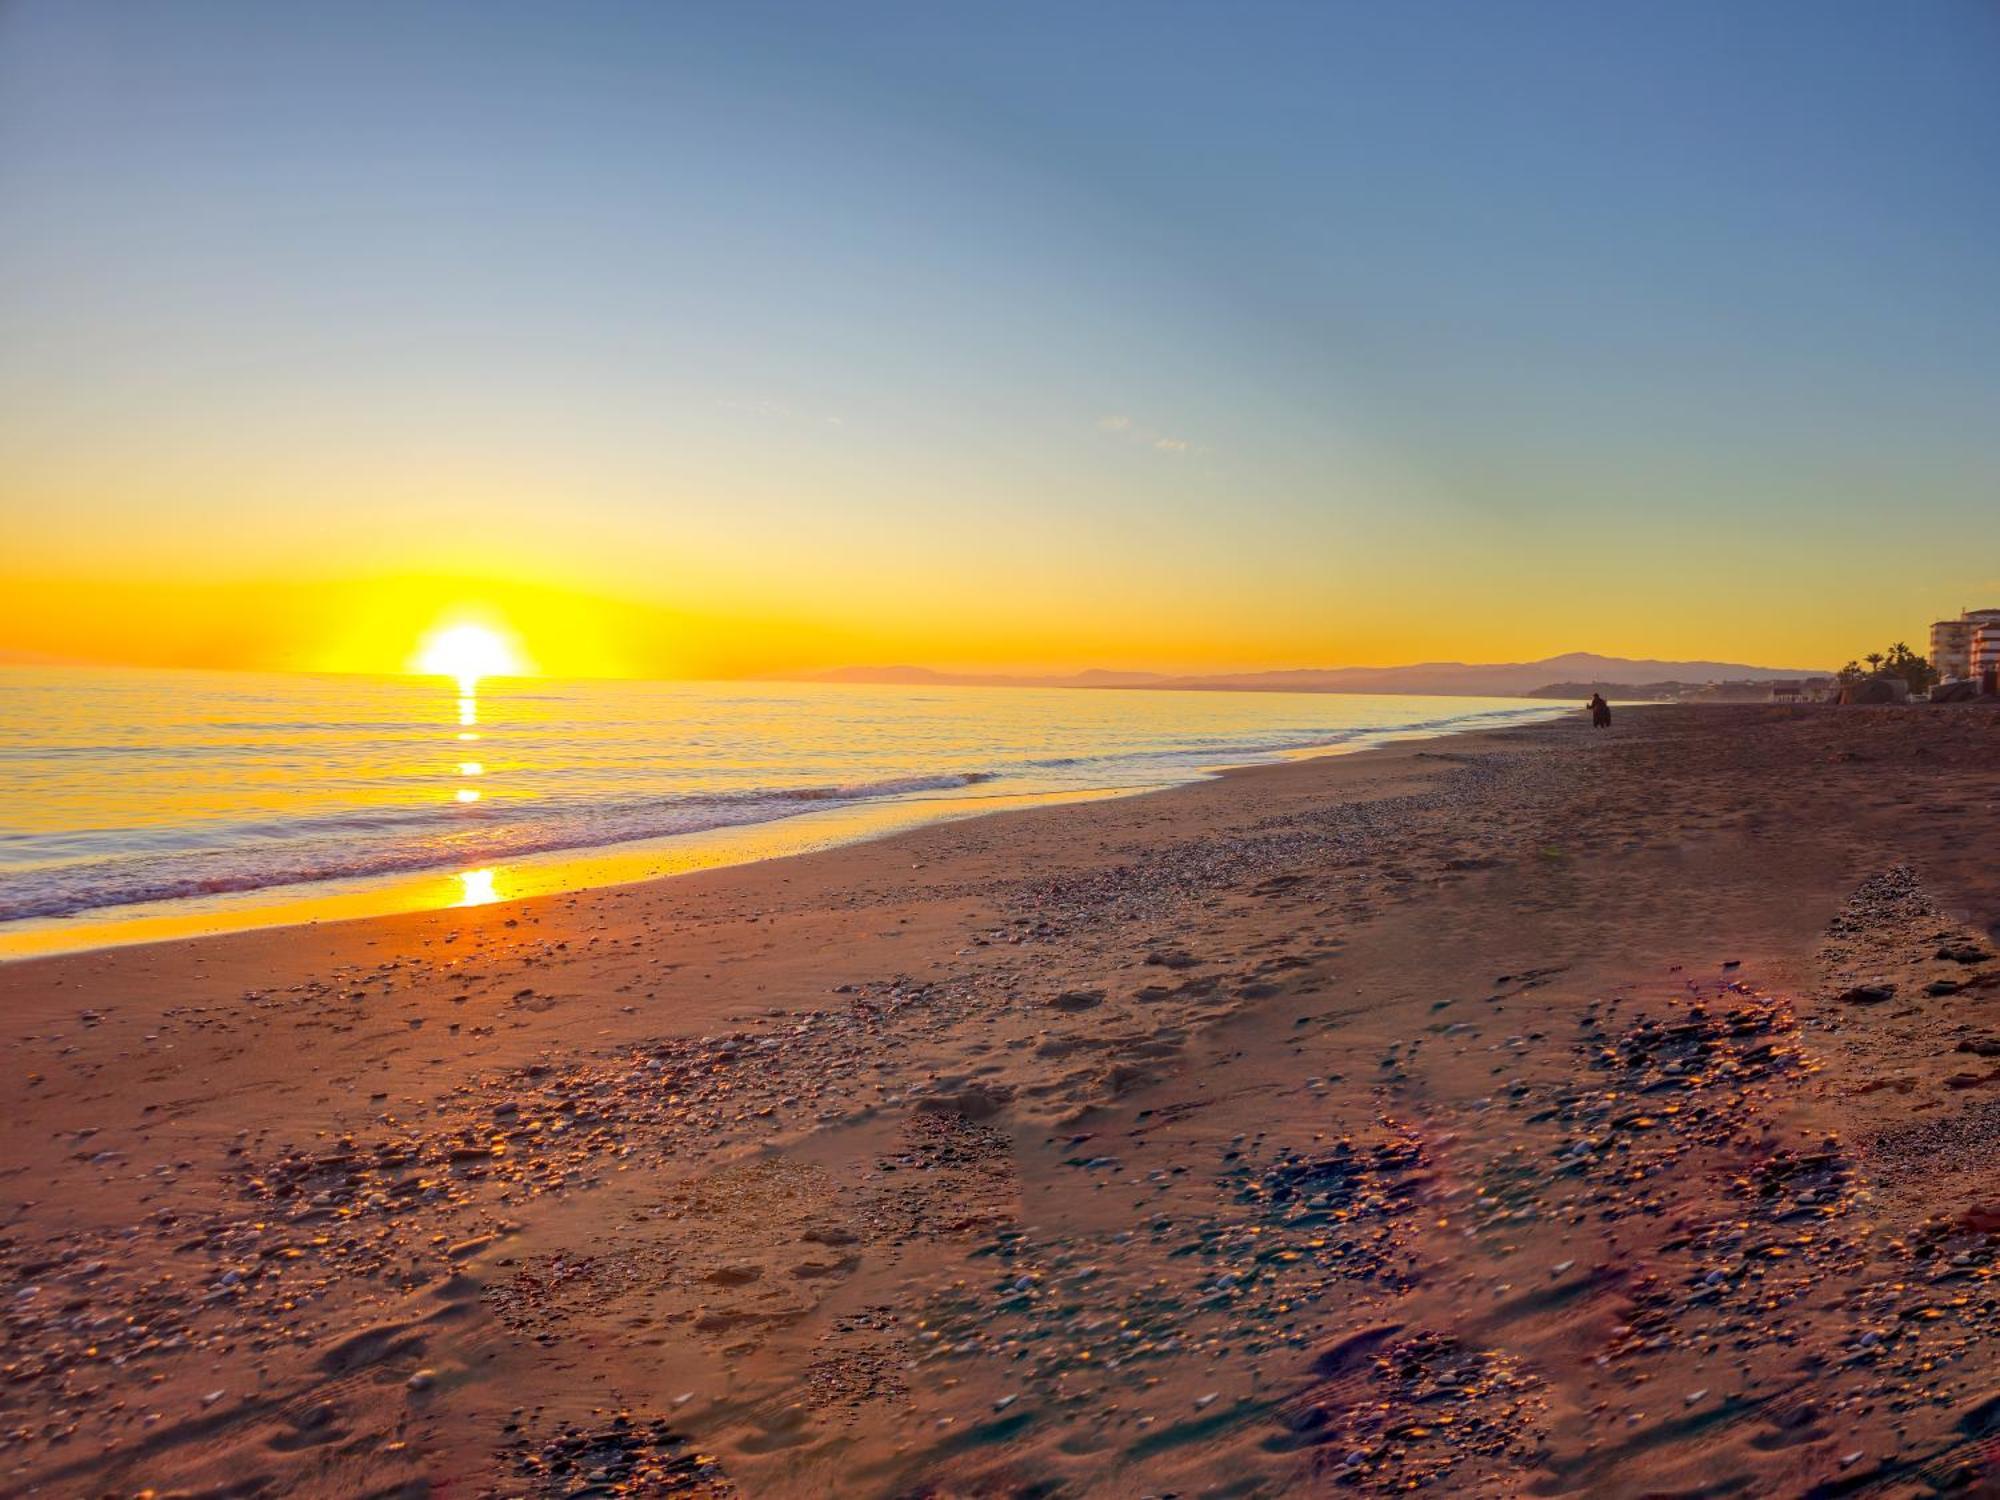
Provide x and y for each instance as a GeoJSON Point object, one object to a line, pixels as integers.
{"type": "Point", "coordinates": [135, 789]}
{"type": "Point", "coordinates": [258, 857]}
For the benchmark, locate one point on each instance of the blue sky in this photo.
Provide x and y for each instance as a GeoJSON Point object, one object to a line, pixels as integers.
{"type": "Point", "coordinates": [1268, 331]}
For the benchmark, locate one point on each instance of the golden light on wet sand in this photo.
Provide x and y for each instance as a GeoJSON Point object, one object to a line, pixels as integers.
{"type": "Point", "coordinates": [477, 888]}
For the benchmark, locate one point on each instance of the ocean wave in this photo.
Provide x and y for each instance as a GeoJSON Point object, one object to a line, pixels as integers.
{"type": "Point", "coordinates": [902, 786]}
{"type": "Point", "coordinates": [157, 795]}
{"type": "Point", "coordinates": [1199, 752]}
{"type": "Point", "coordinates": [1223, 751]}
{"type": "Point", "coordinates": [460, 835]}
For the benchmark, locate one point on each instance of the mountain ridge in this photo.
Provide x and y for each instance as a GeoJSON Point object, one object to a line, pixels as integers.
{"type": "Point", "coordinates": [1501, 679]}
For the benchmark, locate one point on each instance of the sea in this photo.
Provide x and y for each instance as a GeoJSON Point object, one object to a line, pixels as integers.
{"type": "Point", "coordinates": [151, 803]}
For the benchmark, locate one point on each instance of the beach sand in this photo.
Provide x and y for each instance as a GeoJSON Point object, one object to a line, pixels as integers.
{"type": "Point", "coordinates": [1546, 1112]}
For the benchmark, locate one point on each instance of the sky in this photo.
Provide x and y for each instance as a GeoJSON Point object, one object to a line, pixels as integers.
{"type": "Point", "coordinates": [720, 339]}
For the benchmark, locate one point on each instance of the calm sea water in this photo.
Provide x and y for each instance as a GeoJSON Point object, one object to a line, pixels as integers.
{"type": "Point", "coordinates": [118, 788]}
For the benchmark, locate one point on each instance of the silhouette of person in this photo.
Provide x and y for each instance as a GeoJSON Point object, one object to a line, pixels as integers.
{"type": "Point", "coordinates": [1600, 712]}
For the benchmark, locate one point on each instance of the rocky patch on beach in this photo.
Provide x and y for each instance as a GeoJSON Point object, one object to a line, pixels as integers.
{"type": "Point", "coordinates": [1242, 1160]}
{"type": "Point", "coordinates": [619, 1457]}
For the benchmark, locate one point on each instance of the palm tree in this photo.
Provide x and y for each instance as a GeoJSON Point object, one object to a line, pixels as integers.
{"type": "Point", "coordinates": [1874, 660]}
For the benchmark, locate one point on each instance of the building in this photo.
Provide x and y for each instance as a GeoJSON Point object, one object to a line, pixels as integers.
{"type": "Point", "coordinates": [1951, 649]}
{"type": "Point", "coordinates": [1952, 643]}
{"type": "Point", "coordinates": [1985, 662]}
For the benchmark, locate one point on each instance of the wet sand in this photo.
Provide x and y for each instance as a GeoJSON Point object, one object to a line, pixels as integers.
{"type": "Point", "coordinates": [1537, 1113]}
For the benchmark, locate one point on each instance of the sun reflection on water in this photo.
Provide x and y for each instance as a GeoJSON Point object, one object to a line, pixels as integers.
{"type": "Point", "coordinates": [478, 883]}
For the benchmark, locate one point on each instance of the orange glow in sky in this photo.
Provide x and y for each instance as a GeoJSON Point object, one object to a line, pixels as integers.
{"type": "Point", "coordinates": [760, 357]}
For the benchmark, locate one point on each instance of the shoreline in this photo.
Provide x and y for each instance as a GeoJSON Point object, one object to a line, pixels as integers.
{"type": "Point", "coordinates": [528, 877]}
{"type": "Point", "coordinates": [588, 867]}
{"type": "Point", "coordinates": [1235, 1135]}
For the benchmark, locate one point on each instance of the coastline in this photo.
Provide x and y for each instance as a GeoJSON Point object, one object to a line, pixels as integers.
{"type": "Point", "coordinates": [584, 867]}
{"type": "Point", "coordinates": [744, 1154]}
{"type": "Point", "coordinates": [528, 877]}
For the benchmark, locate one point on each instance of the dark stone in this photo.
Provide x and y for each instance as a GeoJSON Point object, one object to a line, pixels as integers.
{"type": "Point", "coordinates": [975, 1102]}
{"type": "Point", "coordinates": [1078, 1000]}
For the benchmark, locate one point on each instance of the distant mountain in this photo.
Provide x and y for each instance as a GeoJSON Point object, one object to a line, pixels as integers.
{"type": "Point", "coordinates": [1500, 679]}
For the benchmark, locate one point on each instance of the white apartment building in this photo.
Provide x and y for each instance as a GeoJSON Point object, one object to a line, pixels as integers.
{"type": "Point", "coordinates": [1955, 644]}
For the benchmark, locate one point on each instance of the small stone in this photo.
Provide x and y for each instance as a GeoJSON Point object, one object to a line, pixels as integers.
{"type": "Point", "coordinates": [1074, 1000]}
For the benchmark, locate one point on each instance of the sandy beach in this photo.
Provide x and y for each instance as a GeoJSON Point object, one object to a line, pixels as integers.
{"type": "Point", "coordinates": [1544, 1112]}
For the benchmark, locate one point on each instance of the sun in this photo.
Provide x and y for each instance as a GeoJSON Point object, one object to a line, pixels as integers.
{"type": "Point", "coordinates": [467, 653]}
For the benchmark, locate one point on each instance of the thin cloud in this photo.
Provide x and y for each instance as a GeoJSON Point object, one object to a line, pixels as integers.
{"type": "Point", "coordinates": [1121, 426]}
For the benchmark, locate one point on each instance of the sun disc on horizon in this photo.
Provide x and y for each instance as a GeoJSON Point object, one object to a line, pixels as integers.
{"type": "Point", "coordinates": [467, 653]}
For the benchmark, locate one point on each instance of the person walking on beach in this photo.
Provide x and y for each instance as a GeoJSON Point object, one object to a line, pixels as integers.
{"type": "Point", "coordinates": [1600, 712]}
